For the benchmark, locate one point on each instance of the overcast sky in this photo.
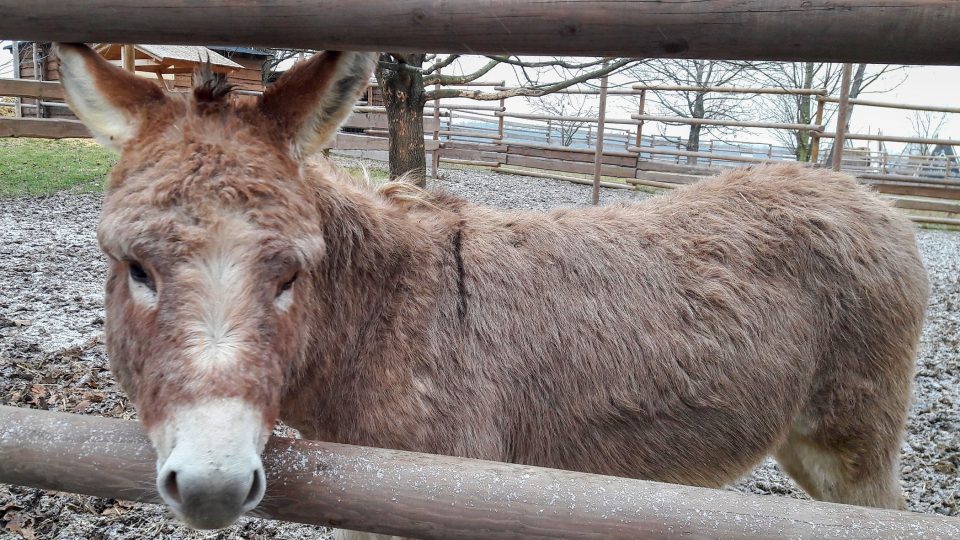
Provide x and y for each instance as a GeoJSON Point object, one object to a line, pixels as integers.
{"type": "Point", "coordinates": [928, 85]}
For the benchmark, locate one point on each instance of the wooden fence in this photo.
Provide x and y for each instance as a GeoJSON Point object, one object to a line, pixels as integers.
{"type": "Point", "coordinates": [437, 497]}
{"type": "Point", "coordinates": [481, 135]}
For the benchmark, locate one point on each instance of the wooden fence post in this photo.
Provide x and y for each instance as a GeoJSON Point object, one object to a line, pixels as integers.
{"type": "Point", "coordinates": [815, 136]}
{"type": "Point", "coordinates": [37, 76]}
{"type": "Point", "coordinates": [549, 131]}
{"type": "Point", "coordinates": [841, 132]}
{"type": "Point", "coordinates": [128, 57]}
{"type": "Point", "coordinates": [435, 156]}
{"type": "Point", "coordinates": [598, 152]}
{"type": "Point", "coordinates": [500, 121]}
{"type": "Point", "coordinates": [17, 105]}
{"type": "Point", "coordinates": [643, 102]}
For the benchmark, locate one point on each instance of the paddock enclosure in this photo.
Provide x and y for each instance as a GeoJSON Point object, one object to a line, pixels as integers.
{"type": "Point", "coordinates": [439, 497]}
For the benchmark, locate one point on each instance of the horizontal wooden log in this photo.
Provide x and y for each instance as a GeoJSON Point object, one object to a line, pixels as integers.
{"type": "Point", "coordinates": [652, 183]}
{"type": "Point", "coordinates": [914, 189]}
{"type": "Point", "coordinates": [926, 205]}
{"type": "Point", "coordinates": [733, 89]}
{"type": "Point", "coordinates": [471, 133]}
{"type": "Point", "coordinates": [559, 118]}
{"type": "Point", "coordinates": [707, 155]}
{"type": "Point", "coordinates": [470, 162]}
{"type": "Point", "coordinates": [429, 496]}
{"type": "Point", "coordinates": [663, 166]}
{"type": "Point", "coordinates": [350, 141]}
{"type": "Point", "coordinates": [881, 31]}
{"type": "Point", "coordinates": [571, 150]}
{"type": "Point", "coordinates": [475, 155]}
{"type": "Point", "coordinates": [666, 177]}
{"type": "Point", "coordinates": [379, 121]}
{"type": "Point", "coordinates": [890, 105]}
{"type": "Point", "coordinates": [30, 89]}
{"type": "Point", "coordinates": [465, 107]}
{"type": "Point", "coordinates": [494, 146]}
{"type": "Point", "coordinates": [42, 128]}
{"type": "Point", "coordinates": [723, 122]}
{"type": "Point", "coordinates": [954, 182]}
{"type": "Point", "coordinates": [889, 138]}
{"type": "Point", "coordinates": [573, 179]}
{"type": "Point", "coordinates": [567, 154]}
{"type": "Point", "coordinates": [935, 220]}
{"type": "Point", "coordinates": [567, 166]}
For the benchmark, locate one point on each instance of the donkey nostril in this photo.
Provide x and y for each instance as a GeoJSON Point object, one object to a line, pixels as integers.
{"type": "Point", "coordinates": [257, 487]}
{"type": "Point", "coordinates": [170, 488]}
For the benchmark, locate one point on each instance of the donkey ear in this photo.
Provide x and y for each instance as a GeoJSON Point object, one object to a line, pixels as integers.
{"type": "Point", "coordinates": [310, 101]}
{"type": "Point", "coordinates": [108, 100]}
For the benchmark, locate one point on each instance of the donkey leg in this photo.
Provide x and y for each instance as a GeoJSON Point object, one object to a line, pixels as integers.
{"type": "Point", "coordinates": [790, 456]}
{"type": "Point", "coordinates": [857, 471]}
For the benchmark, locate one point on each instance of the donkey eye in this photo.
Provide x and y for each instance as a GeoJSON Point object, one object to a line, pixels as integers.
{"type": "Point", "coordinates": [138, 274]}
{"type": "Point", "coordinates": [288, 284]}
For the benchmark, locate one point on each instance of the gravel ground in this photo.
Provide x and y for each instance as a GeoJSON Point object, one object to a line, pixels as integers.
{"type": "Point", "coordinates": [52, 357]}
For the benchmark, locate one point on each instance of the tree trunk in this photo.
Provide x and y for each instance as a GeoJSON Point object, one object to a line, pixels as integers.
{"type": "Point", "coordinates": [404, 98]}
{"type": "Point", "coordinates": [806, 114]}
{"type": "Point", "coordinates": [693, 139]}
{"type": "Point", "coordinates": [693, 143]}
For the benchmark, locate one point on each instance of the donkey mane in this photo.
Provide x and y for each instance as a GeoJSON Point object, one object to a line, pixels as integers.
{"type": "Point", "coordinates": [209, 86]}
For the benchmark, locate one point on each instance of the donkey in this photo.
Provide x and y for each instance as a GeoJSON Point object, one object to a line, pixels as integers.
{"type": "Point", "coordinates": [771, 310]}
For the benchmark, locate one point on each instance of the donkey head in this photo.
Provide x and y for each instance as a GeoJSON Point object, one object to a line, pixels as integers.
{"type": "Point", "coordinates": [212, 231]}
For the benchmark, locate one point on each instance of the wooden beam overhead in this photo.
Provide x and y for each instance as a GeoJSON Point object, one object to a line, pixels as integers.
{"type": "Point", "coordinates": [880, 31]}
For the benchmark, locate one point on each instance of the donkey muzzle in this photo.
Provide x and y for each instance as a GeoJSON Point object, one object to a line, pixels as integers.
{"type": "Point", "coordinates": [209, 472]}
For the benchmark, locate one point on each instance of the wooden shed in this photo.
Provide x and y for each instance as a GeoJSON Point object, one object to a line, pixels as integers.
{"type": "Point", "coordinates": [174, 65]}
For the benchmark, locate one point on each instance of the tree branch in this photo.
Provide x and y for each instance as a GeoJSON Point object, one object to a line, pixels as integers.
{"type": "Point", "coordinates": [437, 78]}
{"type": "Point", "coordinates": [481, 95]}
{"type": "Point", "coordinates": [548, 63]}
{"type": "Point", "coordinates": [441, 64]}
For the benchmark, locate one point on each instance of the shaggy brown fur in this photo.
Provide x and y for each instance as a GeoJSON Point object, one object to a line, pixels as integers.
{"type": "Point", "coordinates": [774, 309]}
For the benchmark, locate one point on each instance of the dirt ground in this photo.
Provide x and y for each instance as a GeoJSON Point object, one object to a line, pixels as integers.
{"type": "Point", "coordinates": [52, 357]}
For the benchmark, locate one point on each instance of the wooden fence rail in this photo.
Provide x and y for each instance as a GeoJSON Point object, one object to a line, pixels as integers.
{"type": "Point", "coordinates": [881, 31]}
{"type": "Point", "coordinates": [647, 164]}
{"type": "Point", "coordinates": [429, 496]}
{"type": "Point", "coordinates": [725, 122]}
{"type": "Point", "coordinates": [733, 89]}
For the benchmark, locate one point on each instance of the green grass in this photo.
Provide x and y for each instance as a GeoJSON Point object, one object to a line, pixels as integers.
{"type": "Point", "coordinates": [377, 175]}
{"type": "Point", "coordinates": [42, 167]}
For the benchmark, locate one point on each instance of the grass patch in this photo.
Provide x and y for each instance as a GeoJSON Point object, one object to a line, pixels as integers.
{"type": "Point", "coordinates": [377, 175]}
{"type": "Point", "coordinates": [42, 167]}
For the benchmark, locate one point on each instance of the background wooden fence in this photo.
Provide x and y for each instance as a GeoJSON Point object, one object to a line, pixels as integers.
{"type": "Point", "coordinates": [491, 136]}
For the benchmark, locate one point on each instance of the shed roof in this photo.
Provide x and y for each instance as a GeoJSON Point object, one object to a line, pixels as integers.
{"type": "Point", "coordinates": [187, 53]}
{"type": "Point", "coordinates": [252, 51]}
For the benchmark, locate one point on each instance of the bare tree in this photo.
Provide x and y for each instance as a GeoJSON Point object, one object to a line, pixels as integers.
{"type": "Point", "coordinates": [801, 109]}
{"type": "Point", "coordinates": [692, 103]}
{"type": "Point", "coordinates": [404, 79]}
{"type": "Point", "coordinates": [927, 125]}
{"type": "Point", "coordinates": [860, 81]}
{"type": "Point", "coordinates": [272, 64]}
{"type": "Point", "coordinates": [570, 105]}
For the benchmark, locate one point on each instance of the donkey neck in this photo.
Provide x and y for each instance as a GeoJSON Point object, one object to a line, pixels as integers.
{"type": "Point", "coordinates": [374, 292]}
